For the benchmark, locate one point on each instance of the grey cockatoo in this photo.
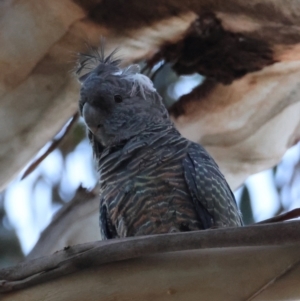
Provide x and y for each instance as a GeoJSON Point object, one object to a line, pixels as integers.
{"type": "Point", "coordinates": [152, 180]}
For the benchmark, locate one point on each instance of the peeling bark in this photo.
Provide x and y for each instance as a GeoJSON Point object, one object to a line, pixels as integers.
{"type": "Point", "coordinates": [247, 126]}
{"type": "Point", "coordinates": [208, 49]}
{"type": "Point", "coordinates": [38, 93]}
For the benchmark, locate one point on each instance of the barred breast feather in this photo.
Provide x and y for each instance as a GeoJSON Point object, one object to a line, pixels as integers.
{"type": "Point", "coordinates": [160, 182]}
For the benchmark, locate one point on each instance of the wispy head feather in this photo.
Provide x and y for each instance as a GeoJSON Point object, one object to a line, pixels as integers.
{"type": "Point", "coordinates": [88, 62]}
{"type": "Point", "coordinates": [95, 62]}
{"type": "Point", "coordinates": [141, 83]}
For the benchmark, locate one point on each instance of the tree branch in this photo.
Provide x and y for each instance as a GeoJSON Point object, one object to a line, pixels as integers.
{"type": "Point", "coordinates": [79, 257]}
{"type": "Point", "coordinates": [38, 94]}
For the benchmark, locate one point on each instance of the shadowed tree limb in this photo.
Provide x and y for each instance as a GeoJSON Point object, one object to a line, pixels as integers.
{"type": "Point", "coordinates": [78, 257]}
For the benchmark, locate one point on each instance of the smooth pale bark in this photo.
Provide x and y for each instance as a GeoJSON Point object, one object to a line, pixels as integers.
{"type": "Point", "coordinates": [38, 92]}
{"type": "Point", "coordinates": [251, 263]}
{"type": "Point", "coordinates": [77, 222]}
{"type": "Point", "coordinates": [257, 273]}
{"type": "Point", "coordinates": [248, 125]}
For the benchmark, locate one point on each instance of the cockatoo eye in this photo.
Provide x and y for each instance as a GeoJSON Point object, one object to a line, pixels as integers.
{"type": "Point", "coordinates": [118, 98]}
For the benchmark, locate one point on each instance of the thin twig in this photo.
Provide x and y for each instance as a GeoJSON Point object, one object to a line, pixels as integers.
{"type": "Point", "coordinates": [282, 217]}
{"type": "Point", "coordinates": [51, 148]}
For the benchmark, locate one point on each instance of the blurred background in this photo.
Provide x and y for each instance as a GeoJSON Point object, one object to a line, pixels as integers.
{"type": "Point", "coordinates": [27, 206]}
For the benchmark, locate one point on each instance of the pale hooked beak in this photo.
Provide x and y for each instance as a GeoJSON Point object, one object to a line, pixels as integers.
{"type": "Point", "coordinates": [90, 115]}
